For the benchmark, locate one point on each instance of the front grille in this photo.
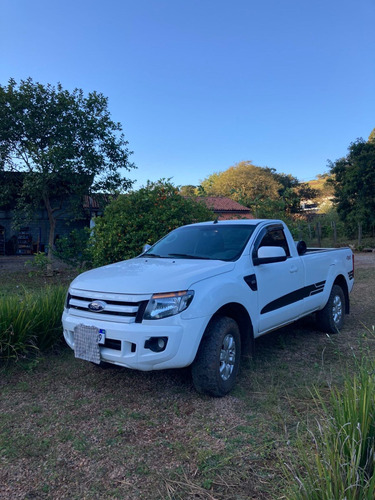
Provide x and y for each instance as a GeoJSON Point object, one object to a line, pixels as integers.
{"type": "Point", "coordinates": [116, 307]}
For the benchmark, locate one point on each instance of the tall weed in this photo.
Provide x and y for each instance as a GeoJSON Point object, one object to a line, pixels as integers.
{"type": "Point", "coordinates": [30, 321]}
{"type": "Point", "coordinates": [342, 465]}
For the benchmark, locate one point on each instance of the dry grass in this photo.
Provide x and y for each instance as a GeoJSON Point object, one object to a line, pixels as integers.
{"type": "Point", "coordinates": [69, 430]}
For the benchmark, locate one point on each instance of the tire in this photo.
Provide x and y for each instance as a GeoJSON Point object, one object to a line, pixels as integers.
{"type": "Point", "coordinates": [331, 318]}
{"type": "Point", "coordinates": [216, 365]}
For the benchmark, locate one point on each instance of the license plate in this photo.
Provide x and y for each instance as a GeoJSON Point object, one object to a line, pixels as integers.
{"type": "Point", "coordinates": [101, 336]}
{"type": "Point", "coordinates": [86, 344]}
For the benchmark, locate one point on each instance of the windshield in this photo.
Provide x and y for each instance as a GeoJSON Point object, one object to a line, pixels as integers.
{"type": "Point", "coordinates": [215, 242]}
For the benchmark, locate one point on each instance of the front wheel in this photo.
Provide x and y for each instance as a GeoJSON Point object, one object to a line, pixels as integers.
{"type": "Point", "coordinates": [331, 318]}
{"type": "Point", "coordinates": [217, 362]}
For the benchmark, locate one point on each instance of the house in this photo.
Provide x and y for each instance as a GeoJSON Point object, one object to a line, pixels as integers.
{"type": "Point", "coordinates": [32, 236]}
{"type": "Point", "coordinates": [225, 208]}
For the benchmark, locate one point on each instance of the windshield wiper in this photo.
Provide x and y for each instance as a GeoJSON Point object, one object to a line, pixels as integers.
{"type": "Point", "coordinates": [187, 256]}
{"type": "Point", "coordinates": [152, 255]}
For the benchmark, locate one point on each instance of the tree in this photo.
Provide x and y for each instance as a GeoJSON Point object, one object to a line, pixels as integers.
{"type": "Point", "coordinates": [64, 144]}
{"type": "Point", "coordinates": [354, 184]}
{"type": "Point", "coordinates": [371, 137]}
{"type": "Point", "coordinates": [245, 183]}
{"type": "Point", "coordinates": [189, 190]}
{"type": "Point", "coordinates": [141, 217]}
{"type": "Point", "coordinates": [267, 192]}
{"type": "Point", "coordinates": [292, 191]}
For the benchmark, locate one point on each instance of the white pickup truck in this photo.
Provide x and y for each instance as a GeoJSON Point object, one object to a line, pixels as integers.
{"type": "Point", "coordinates": [201, 295]}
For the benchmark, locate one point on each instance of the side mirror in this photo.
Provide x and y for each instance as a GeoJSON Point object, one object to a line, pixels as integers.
{"type": "Point", "coordinates": [301, 247]}
{"type": "Point", "coordinates": [145, 248]}
{"type": "Point", "coordinates": [269, 255]}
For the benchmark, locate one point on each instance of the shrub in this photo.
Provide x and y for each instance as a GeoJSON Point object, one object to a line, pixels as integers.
{"type": "Point", "coordinates": [38, 264]}
{"type": "Point", "coordinates": [32, 321]}
{"type": "Point", "coordinates": [73, 249]}
{"type": "Point", "coordinates": [141, 217]}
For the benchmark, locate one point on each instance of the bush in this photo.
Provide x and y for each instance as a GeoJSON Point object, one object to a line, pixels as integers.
{"type": "Point", "coordinates": [141, 217]}
{"type": "Point", "coordinates": [73, 249]}
{"type": "Point", "coordinates": [39, 264]}
{"type": "Point", "coordinates": [32, 321]}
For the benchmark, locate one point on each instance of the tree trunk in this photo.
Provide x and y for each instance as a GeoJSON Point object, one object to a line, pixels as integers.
{"type": "Point", "coordinates": [359, 234]}
{"type": "Point", "coordinates": [51, 236]}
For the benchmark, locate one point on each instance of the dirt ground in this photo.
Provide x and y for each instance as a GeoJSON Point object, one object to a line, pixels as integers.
{"type": "Point", "coordinates": [10, 263]}
{"type": "Point", "coordinates": [364, 259]}
{"type": "Point", "coordinates": [69, 430]}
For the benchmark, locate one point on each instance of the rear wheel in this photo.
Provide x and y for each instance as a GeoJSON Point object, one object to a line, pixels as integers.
{"type": "Point", "coordinates": [331, 318]}
{"type": "Point", "coordinates": [217, 362]}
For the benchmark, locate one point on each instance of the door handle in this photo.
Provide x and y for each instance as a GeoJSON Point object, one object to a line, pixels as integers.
{"type": "Point", "coordinates": [293, 269]}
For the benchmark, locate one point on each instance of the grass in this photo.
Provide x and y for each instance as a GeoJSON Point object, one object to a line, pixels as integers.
{"type": "Point", "coordinates": [14, 280]}
{"type": "Point", "coordinates": [69, 430]}
{"type": "Point", "coordinates": [327, 242]}
{"type": "Point", "coordinates": [341, 464]}
{"type": "Point", "coordinates": [30, 321]}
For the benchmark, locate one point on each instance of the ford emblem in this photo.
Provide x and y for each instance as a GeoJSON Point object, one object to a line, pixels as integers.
{"type": "Point", "coordinates": [97, 306]}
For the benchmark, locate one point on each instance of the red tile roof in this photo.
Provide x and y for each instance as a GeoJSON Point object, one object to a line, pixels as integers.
{"type": "Point", "coordinates": [225, 207]}
{"type": "Point", "coordinates": [97, 201]}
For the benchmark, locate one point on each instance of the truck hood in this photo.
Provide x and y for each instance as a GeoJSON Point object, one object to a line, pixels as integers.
{"type": "Point", "coordinates": [148, 276]}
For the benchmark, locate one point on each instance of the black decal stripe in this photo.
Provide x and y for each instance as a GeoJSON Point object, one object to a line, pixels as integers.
{"type": "Point", "coordinates": [316, 288]}
{"type": "Point", "coordinates": [283, 301]}
{"type": "Point", "coordinates": [351, 275]}
{"type": "Point", "coordinates": [292, 297]}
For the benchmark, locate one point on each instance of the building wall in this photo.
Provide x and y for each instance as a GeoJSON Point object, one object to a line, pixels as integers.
{"type": "Point", "coordinates": [38, 228]}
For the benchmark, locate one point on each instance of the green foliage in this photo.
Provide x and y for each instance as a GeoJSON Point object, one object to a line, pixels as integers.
{"type": "Point", "coordinates": [38, 264]}
{"type": "Point", "coordinates": [291, 191]}
{"type": "Point", "coordinates": [32, 321]}
{"type": "Point", "coordinates": [189, 190]}
{"type": "Point", "coordinates": [268, 193]}
{"type": "Point", "coordinates": [62, 143]}
{"type": "Point", "coordinates": [141, 217]}
{"type": "Point", "coordinates": [267, 208]}
{"type": "Point", "coordinates": [344, 458]}
{"type": "Point", "coordinates": [354, 184]}
{"type": "Point", "coordinates": [244, 182]}
{"type": "Point", "coordinates": [73, 249]}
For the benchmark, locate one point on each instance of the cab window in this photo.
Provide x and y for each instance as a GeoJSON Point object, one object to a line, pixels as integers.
{"type": "Point", "coordinates": [275, 238]}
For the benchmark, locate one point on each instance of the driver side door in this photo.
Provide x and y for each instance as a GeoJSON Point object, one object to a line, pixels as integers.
{"type": "Point", "coordinates": [279, 281]}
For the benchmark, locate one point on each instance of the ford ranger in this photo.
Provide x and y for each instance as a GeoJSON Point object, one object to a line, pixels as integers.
{"type": "Point", "coordinates": [201, 295]}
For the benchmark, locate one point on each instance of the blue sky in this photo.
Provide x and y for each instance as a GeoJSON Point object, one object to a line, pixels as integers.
{"type": "Point", "coordinates": [201, 85]}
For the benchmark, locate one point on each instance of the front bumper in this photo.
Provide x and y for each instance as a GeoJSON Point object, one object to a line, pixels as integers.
{"type": "Point", "coordinates": [125, 344]}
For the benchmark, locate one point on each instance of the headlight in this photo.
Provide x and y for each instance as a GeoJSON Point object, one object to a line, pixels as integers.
{"type": "Point", "coordinates": [162, 305]}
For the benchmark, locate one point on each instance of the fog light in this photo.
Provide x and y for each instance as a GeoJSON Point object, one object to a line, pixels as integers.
{"type": "Point", "coordinates": [156, 344]}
